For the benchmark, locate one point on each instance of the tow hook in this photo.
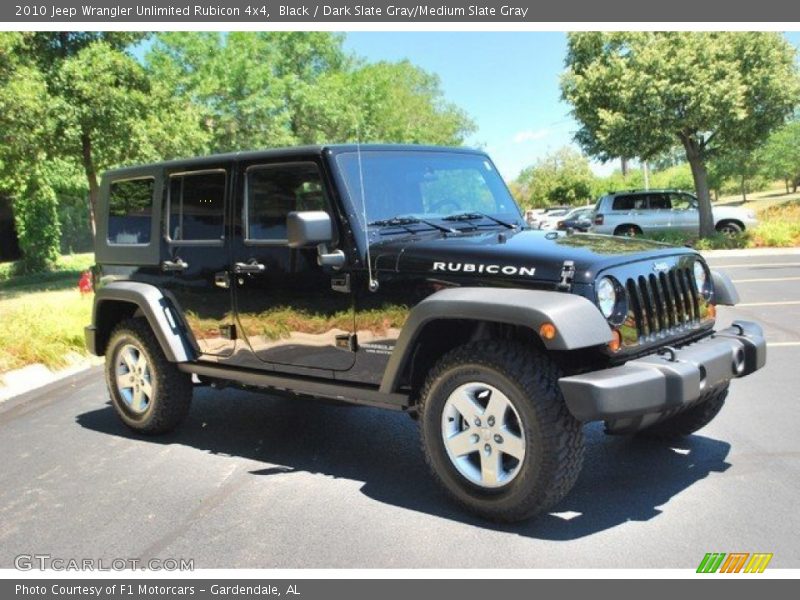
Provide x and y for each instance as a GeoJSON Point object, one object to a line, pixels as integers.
{"type": "Point", "coordinates": [668, 350]}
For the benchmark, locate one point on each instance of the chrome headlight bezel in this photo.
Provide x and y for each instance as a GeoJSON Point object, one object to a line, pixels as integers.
{"type": "Point", "coordinates": [702, 279]}
{"type": "Point", "coordinates": [611, 300]}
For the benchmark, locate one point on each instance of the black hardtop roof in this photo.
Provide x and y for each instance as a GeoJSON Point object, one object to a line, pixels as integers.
{"type": "Point", "coordinates": [288, 152]}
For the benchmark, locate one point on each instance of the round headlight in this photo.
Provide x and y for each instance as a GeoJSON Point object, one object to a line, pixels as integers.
{"type": "Point", "coordinates": [606, 296]}
{"type": "Point", "coordinates": [700, 277]}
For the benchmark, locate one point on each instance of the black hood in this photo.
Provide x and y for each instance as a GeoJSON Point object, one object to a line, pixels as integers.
{"type": "Point", "coordinates": [516, 253]}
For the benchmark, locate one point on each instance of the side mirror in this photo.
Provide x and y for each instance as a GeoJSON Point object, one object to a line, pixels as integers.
{"type": "Point", "coordinates": [314, 227]}
{"type": "Point", "coordinates": [308, 228]}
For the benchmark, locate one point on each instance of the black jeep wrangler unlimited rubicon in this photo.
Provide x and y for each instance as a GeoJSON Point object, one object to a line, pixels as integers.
{"type": "Point", "coordinates": [405, 277]}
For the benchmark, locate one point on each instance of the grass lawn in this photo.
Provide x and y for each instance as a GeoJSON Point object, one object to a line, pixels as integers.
{"type": "Point", "coordinates": [42, 316]}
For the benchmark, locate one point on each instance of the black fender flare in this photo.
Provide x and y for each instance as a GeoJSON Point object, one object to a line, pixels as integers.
{"type": "Point", "coordinates": [578, 322]}
{"type": "Point", "coordinates": [175, 340]}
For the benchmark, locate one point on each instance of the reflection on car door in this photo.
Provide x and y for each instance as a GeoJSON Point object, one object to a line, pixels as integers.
{"type": "Point", "coordinates": [286, 309]}
{"type": "Point", "coordinates": [196, 249]}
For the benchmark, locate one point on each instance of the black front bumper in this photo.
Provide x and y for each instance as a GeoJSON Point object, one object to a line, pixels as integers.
{"type": "Point", "coordinates": [663, 383]}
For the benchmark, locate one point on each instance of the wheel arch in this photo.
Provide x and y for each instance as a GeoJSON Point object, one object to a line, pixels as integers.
{"type": "Point", "coordinates": [118, 301]}
{"type": "Point", "coordinates": [627, 225]}
{"type": "Point", "coordinates": [455, 316]}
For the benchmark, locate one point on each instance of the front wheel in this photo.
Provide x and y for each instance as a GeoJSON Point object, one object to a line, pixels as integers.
{"type": "Point", "coordinates": [496, 432]}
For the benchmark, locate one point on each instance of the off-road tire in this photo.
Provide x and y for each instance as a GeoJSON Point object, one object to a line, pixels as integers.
{"type": "Point", "coordinates": [172, 389]}
{"type": "Point", "coordinates": [687, 422]}
{"type": "Point", "coordinates": [553, 437]}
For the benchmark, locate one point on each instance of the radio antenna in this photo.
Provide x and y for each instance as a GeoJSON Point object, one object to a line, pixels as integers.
{"type": "Point", "coordinates": [373, 283]}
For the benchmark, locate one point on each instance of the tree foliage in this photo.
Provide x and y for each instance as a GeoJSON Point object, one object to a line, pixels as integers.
{"type": "Point", "coordinates": [781, 155]}
{"type": "Point", "coordinates": [640, 93]}
{"type": "Point", "coordinates": [563, 177]}
{"type": "Point", "coordinates": [270, 89]}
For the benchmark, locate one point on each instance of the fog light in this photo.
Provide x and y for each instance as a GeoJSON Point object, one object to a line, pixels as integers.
{"type": "Point", "coordinates": [547, 331]}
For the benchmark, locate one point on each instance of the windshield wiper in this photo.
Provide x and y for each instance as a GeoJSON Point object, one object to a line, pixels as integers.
{"type": "Point", "coordinates": [405, 221]}
{"type": "Point", "coordinates": [471, 216]}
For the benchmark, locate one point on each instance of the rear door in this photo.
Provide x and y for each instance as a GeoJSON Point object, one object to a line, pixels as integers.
{"type": "Point", "coordinates": [658, 214]}
{"type": "Point", "coordinates": [197, 250]}
{"type": "Point", "coordinates": [684, 213]}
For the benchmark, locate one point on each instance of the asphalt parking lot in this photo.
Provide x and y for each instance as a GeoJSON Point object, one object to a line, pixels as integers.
{"type": "Point", "coordinates": [252, 481]}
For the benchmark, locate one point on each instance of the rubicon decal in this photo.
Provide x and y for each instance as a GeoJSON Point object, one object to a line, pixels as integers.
{"type": "Point", "coordinates": [482, 268]}
{"type": "Point", "coordinates": [734, 562]}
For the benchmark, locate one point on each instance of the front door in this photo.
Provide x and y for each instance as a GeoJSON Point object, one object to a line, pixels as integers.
{"type": "Point", "coordinates": [197, 251]}
{"type": "Point", "coordinates": [287, 308]}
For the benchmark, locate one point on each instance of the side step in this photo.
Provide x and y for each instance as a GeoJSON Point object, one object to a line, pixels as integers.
{"type": "Point", "coordinates": [368, 396]}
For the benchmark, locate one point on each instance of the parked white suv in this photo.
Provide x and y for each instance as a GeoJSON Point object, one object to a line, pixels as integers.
{"type": "Point", "coordinates": [637, 211]}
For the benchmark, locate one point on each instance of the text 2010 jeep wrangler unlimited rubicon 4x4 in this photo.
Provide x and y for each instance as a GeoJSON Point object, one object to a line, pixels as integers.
{"type": "Point", "coordinates": [404, 277]}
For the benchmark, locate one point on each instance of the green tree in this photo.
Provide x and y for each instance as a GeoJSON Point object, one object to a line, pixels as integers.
{"type": "Point", "coordinates": [742, 167]}
{"type": "Point", "coordinates": [24, 122]}
{"type": "Point", "coordinates": [380, 102]}
{"type": "Point", "coordinates": [563, 177]}
{"type": "Point", "coordinates": [78, 100]}
{"type": "Point", "coordinates": [282, 88]}
{"type": "Point", "coordinates": [640, 93]}
{"type": "Point", "coordinates": [110, 114]}
{"type": "Point", "coordinates": [246, 84]}
{"type": "Point", "coordinates": [781, 155]}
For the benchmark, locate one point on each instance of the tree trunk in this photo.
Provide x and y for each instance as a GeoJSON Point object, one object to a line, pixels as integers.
{"type": "Point", "coordinates": [744, 189]}
{"type": "Point", "coordinates": [700, 175]}
{"type": "Point", "coordinates": [623, 163]}
{"type": "Point", "coordinates": [786, 183]}
{"type": "Point", "coordinates": [91, 176]}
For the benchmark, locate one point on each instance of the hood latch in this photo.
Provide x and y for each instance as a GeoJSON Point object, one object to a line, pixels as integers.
{"type": "Point", "coordinates": [567, 275]}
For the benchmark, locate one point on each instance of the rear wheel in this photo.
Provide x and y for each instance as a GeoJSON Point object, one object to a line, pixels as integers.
{"type": "Point", "coordinates": [496, 432]}
{"type": "Point", "coordinates": [149, 393]}
{"type": "Point", "coordinates": [690, 420]}
{"type": "Point", "coordinates": [628, 230]}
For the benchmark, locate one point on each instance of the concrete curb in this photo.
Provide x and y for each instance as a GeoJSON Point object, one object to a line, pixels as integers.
{"type": "Point", "coordinates": [745, 252]}
{"type": "Point", "coordinates": [30, 378]}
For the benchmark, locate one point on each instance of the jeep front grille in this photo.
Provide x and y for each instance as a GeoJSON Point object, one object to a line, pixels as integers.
{"type": "Point", "coordinates": [663, 304]}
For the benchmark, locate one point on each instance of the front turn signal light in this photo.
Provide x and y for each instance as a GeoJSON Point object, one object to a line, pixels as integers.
{"type": "Point", "coordinates": [712, 311]}
{"type": "Point", "coordinates": [616, 341]}
{"type": "Point", "coordinates": [547, 331]}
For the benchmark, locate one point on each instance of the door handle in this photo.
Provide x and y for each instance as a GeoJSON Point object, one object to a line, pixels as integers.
{"type": "Point", "coordinates": [251, 267]}
{"type": "Point", "coordinates": [174, 265]}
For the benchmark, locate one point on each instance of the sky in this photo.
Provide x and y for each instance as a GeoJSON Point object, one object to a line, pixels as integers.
{"type": "Point", "coordinates": [508, 82]}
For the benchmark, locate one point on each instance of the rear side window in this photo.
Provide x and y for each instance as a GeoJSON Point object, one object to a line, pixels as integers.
{"type": "Point", "coordinates": [130, 211]}
{"type": "Point", "coordinates": [197, 206]}
{"type": "Point", "coordinates": [630, 202]}
{"type": "Point", "coordinates": [659, 202]}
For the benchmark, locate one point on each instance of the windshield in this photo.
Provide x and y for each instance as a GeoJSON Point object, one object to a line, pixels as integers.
{"type": "Point", "coordinates": [427, 186]}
